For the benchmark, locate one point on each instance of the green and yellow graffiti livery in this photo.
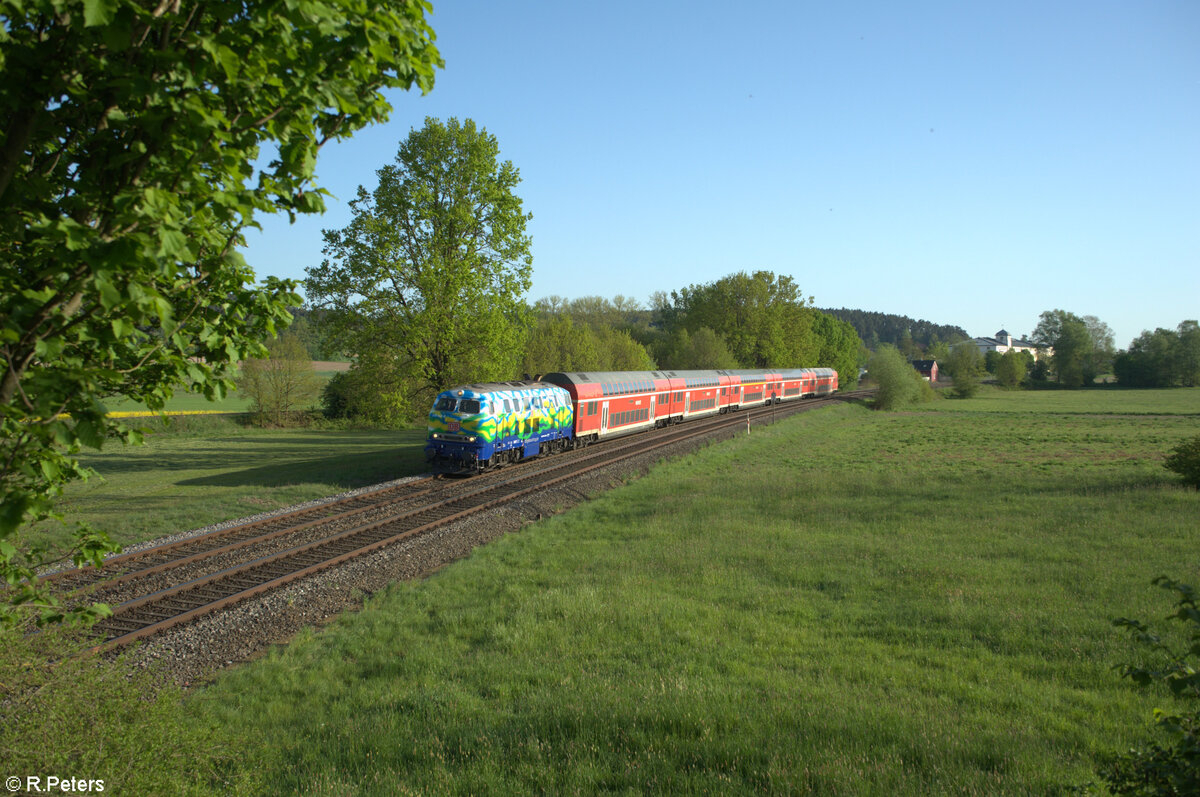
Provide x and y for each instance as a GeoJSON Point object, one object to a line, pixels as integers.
{"type": "Point", "coordinates": [472, 423]}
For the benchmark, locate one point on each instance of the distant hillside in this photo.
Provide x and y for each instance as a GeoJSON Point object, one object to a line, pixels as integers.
{"type": "Point", "coordinates": [876, 328]}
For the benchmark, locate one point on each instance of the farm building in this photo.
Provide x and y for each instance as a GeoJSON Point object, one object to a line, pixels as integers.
{"type": "Point", "coordinates": [1004, 342]}
{"type": "Point", "coordinates": [927, 369]}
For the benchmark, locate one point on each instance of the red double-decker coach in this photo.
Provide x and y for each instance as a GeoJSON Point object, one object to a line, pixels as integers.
{"type": "Point", "coordinates": [609, 403]}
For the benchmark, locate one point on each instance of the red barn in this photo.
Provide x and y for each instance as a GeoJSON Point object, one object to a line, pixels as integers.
{"type": "Point", "coordinates": [927, 369]}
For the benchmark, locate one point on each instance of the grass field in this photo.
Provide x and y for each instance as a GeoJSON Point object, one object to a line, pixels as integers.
{"type": "Point", "coordinates": [185, 401]}
{"type": "Point", "coordinates": [208, 470]}
{"type": "Point", "coordinates": [848, 603]}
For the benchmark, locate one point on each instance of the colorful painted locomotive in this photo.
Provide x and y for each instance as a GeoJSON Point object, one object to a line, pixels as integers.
{"type": "Point", "coordinates": [480, 425]}
{"type": "Point", "coordinates": [477, 426]}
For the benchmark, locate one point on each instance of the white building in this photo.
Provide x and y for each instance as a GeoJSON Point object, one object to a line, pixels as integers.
{"type": "Point", "coordinates": [1004, 342]}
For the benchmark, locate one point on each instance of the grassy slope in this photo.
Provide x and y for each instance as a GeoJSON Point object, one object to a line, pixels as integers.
{"type": "Point", "coordinates": [852, 602]}
{"type": "Point", "coordinates": [219, 471]}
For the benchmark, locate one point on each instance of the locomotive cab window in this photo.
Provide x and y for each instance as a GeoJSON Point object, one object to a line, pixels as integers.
{"type": "Point", "coordinates": [469, 406]}
{"type": "Point", "coordinates": [445, 404]}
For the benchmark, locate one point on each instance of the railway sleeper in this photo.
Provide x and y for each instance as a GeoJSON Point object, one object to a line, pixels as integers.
{"type": "Point", "coordinates": [142, 612]}
{"type": "Point", "coordinates": [241, 583]}
{"type": "Point", "coordinates": [120, 624]}
{"type": "Point", "coordinates": [209, 596]}
{"type": "Point", "coordinates": [184, 603]}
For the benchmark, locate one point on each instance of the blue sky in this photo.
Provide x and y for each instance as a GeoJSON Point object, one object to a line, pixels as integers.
{"type": "Point", "coordinates": [966, 163]}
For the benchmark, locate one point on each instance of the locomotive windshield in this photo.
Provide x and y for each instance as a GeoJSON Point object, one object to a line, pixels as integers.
{"type": "Point", "coordinates": [445, 404]}
{"type": "Point", "coordinates": [469, 406]}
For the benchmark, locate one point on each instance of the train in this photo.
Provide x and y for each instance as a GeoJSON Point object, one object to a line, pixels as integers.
{"type": "Point", "coordinates": [472, 428]}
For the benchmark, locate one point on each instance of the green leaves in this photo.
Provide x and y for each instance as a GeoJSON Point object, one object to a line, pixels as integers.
{"type": "Point", "coordinates": [134, 130]}
{"type": "Point", "coordinates": [98, 12]}
{"type": "Point", "coordinates": [1174, 767]}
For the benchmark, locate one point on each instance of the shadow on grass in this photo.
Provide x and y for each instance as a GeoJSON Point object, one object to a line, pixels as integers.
{"type": "Point", "coordinates": [279, 459]}
{"type": "Point", "coordinates": [345, 470]}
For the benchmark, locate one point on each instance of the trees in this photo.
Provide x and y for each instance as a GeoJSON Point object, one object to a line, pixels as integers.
{"type": "Point", "coordinates": [763, 319]}
{"type": "Point", "coordinates": [898, 382]}
{"type": "Point", "coordinates": [281, 382]}
{"type": "Point", "coordinates": [1150, 360]}
{"type": "Point", "coordinates": [1077, 355]}
{"type": "Point", "coordinates": [1184, 459]}
{"type": "Point", "coordinates": [965, 366]}
{"type": "Point", "coordinates": [1010, 370]}
{"type": "Point", "coordinates": [127, 174]}
{"type": "Point", "coordinates": [1188, 353]}
{"type": "Point", "coordinates": [876, 328]}
{"type": "Point", "coordinates": [1161, 358]}
{"type": "Point", "coordinates": [425, 284]}
{"type": "Point", "coordinates": [1099, 358]}
{"type": "Point", "coordinates": [558, 343]}
{"type": "Point", "coordinates": [840, 347]}
{"type": "Point", "coordinates": [702, 351]}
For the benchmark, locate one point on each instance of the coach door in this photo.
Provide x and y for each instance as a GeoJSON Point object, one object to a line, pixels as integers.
{"type": "Point", "coordinates": [604, 417]}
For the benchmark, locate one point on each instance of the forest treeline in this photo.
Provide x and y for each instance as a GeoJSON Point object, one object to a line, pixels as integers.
{"type": "Point", "coordinates": [876, 328]}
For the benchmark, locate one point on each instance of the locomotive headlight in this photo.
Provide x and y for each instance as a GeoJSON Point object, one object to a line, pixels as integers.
{"type": "Point", "coordinates": [470, 439]}
{"type": "Point", "coordinates": [434, 435]}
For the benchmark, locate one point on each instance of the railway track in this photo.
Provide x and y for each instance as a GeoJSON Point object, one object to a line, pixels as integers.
{"type": "Point", "coordinates": [165, 586]}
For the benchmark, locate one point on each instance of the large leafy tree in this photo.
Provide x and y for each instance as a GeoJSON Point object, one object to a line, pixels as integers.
{"type": "Point", "coordinates": [897, 383]}
{"type": "Point", "coordinates": [763, 318]}
{"type": "Point", "coordinates": [1071, 339]}
{"type": "Point", "coordinates": [282, 382]}
{"type": "Point", "coordinates": [430, 274]}
{"type": "Point", "coordinates": [1101, 349]}
{"type": "Point", "coordinates": [841, 348]}
{"type": "Point", "coordinates": [701, 350]}
{"type": "Point", "coordinates": [966, 368]}
{"type": "Point", "coordinates": [128, 149]}
{"type": "Point", "coordinates": [1012, 367]}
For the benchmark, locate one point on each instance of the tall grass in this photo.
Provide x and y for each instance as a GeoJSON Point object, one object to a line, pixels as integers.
{"type": "Point", "coordinates": [66, 715]}
{"type": "Point", "coordinates": [850, 602]}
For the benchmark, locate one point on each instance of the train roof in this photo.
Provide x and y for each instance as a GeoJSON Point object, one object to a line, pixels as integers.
{"type": "Point", "coordinates": [621, 377]}
{"type": "Point", "coordinates": [608, 377]}
{"type": "Point", "coordinates": [793, 372]}
{"type": "Point", "coordinates": [501, 387]}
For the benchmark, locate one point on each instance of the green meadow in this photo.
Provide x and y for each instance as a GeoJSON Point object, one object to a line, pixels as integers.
{"type": "Point", "coordinates": [187, 401]}
{"type": "Point", "coordinates": [849, 602]}
{"type": "Point", "coordinates": [207, 469]}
